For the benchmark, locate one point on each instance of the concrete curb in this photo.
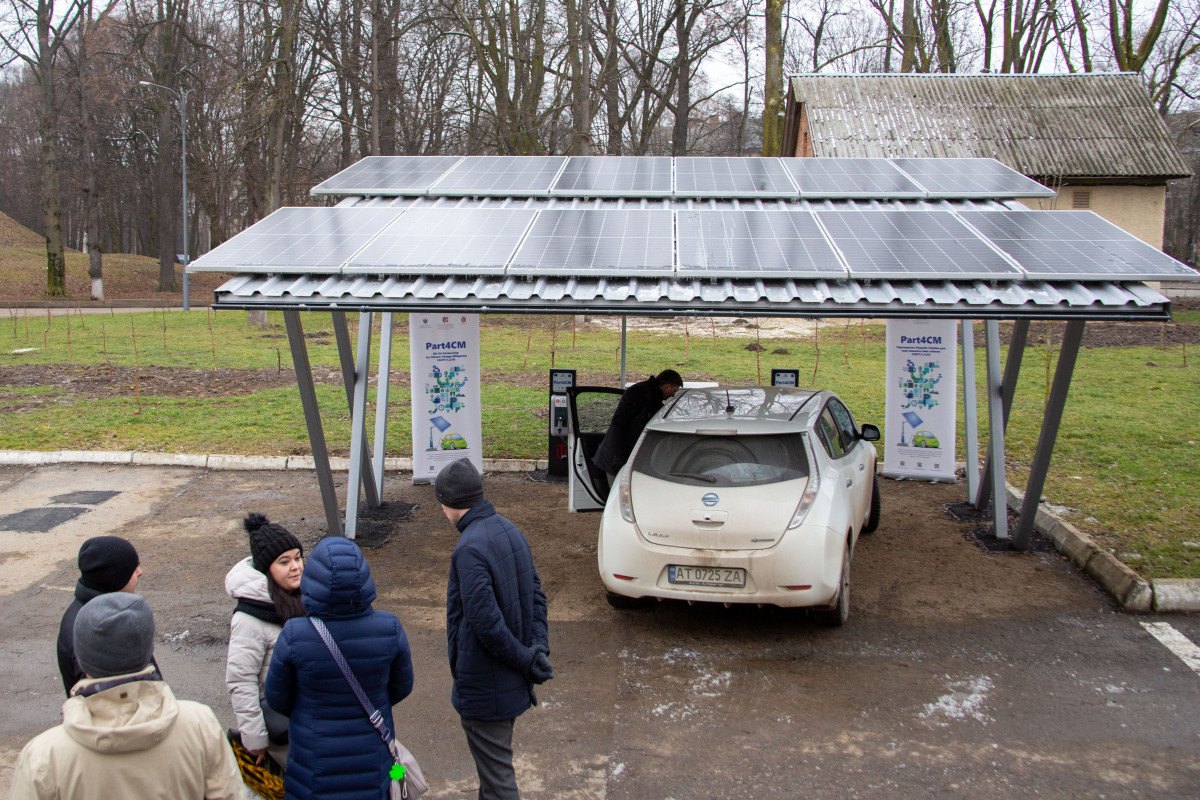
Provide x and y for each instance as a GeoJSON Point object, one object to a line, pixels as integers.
{"type": "Point", "coordinates": [1135, 593]}
{"type": "Point", "coordinates": [34, 458]}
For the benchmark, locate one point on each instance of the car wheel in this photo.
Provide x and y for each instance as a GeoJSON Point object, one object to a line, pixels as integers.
{"type": "Point", "coordinates": [840, 611]}
{"type": "Point", "coordinates": [622, 602]}
{"type": "Point", "coordinates": [873, 515]}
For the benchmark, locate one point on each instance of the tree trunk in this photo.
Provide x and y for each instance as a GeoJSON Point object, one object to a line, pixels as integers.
{"type": "Point", "coordinates": [683, 97]}
{"type": "Point", "coordinates": [773, 81]}
{"type": "Point", "coordinates": [579, 56]}
{"type": "Point", "coordinates": [87, 146]}
{"type": "Point", "coordinates": [56, 263]}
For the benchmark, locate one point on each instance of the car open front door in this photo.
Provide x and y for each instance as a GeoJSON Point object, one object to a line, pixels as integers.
{"type": "Point", "coordinates": [590, 409]}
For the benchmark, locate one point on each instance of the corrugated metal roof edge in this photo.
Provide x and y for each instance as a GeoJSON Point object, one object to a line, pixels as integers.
{"type": "Point", "coordinates": [780, 298]}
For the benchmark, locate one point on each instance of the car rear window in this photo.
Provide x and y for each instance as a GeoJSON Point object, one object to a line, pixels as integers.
{"type": "Point", "coordinates": [710, 460]}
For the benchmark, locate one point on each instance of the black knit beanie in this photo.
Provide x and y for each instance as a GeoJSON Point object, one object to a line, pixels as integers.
{"type": "Point", "coordinates": [268, 541]}
{"type": "Point", "coordinates": [458, 485]}
{"type": "Point", "coordinates": [106, 563]}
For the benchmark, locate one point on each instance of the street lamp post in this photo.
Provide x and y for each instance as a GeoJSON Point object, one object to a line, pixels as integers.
{"type": "Point", "coordinates": [181, 99]}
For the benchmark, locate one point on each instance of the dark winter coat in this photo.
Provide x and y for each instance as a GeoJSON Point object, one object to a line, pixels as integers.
{"type": "Point", "coordinates": [334, 753]}
{"type": "Point", "coordinates": [68, 665]}
{"type": "Point", "coordinates": [495, 617]}
{"type": "Point", "coordinates": [638, 404]}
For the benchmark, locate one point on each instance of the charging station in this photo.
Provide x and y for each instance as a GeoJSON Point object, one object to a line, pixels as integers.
{"type": "Point", "coordinates": [785, 377]}
{"type": "Point", "coordinates": [561, 380]}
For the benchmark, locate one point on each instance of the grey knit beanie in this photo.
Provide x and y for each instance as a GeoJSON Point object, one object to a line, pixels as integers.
{"type": "Point", "coordinates": [114, 635]}
{"type": "Point", "coordinates": [458, 485]}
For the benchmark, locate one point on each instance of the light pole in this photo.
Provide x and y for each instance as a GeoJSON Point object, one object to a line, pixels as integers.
{"type": "Point", "coordinates": [181, 99]}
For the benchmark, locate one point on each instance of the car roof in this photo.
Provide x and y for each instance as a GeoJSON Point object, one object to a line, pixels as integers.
{"type": "Point", "coordinates": [724, 406]}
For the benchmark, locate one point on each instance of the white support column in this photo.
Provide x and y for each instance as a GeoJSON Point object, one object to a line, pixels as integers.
{"type": "Point", "coordinates": [358, 422]}
{"type": "Point", "coordinates": [382, 378]}
{"type": "Point", "coordinates": [624, 322]}
{"type": "Point", "coordinates": [996, 430]}
{"type": "Point", "coordinates": [970, 409]}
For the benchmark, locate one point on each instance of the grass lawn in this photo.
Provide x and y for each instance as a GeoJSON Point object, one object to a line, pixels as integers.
{"type": "Point", "coordinates": [1122, 460]}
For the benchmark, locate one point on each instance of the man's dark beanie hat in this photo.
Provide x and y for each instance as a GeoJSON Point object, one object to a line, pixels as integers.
{"type": "Point", "coordinates": [458, 485]}
{"type": "Point", "coordinates": [268, 541]}
{"type": "Point", "coordinates": [106, 563]}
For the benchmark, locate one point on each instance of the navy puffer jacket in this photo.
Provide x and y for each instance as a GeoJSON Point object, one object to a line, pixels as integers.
{"type": "Point", "coordinates": [495, 616]}
{"type": "Point", "coordinates": [334, 752]}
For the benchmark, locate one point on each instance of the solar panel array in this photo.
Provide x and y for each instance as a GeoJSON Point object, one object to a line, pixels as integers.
{"type": "Point", "coordinates": [638, 177]}
{"type": "Point", "coordinates": [702, 243]}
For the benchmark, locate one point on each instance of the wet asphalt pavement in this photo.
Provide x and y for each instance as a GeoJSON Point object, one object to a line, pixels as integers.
{"type": "Point", "coordinates": [671, 701]}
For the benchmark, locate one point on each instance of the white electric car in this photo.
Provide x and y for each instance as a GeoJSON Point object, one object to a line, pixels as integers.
{"type": "Point", "coordinates": [731, 495]}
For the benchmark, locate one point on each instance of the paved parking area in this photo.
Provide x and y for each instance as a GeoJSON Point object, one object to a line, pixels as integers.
{"type": "Point", "coordinates": [960, 674]}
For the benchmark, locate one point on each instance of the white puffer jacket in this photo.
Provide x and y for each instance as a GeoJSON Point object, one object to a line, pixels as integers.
{"type": "Point", "coordinates": [251, 643]}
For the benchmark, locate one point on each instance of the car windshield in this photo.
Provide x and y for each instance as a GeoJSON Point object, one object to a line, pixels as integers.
{"type": "Point", "coordinates": [711, 460]}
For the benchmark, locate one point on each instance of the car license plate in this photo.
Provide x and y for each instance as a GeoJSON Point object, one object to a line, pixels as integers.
{"type": "Point", "coordinates": [706, 576]}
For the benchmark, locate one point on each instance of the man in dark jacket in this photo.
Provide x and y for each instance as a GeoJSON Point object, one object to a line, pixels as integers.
{"type": "Point", "coordinates": [106, 564]}
{"type": "Point", "coordinates": [496, 628]}
{"type": "Point", "coordinates": [638, 404]}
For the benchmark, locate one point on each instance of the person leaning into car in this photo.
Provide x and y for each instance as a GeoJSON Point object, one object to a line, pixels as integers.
{"type": "Point", "coordinates": [638, 404]}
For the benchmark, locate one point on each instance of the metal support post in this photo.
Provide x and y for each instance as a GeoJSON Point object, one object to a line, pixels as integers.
{"type": "Point", "coordinates": [341, 332]}
{"type": "Point", "coordinates": [1008, 388]}
{"type": "Point", "coordinates": [358, 424]}
{"type": "Point", "coordinates": [970, 409]}
{"type": "Point", "coordinates": [381, 397]}
{"type": "Point", "coordinates": [312, 420]}
{"type": "Point", "coordinates": [624, 322]}
{"type": "Point", "coordinates": [996, 431]}
{"type": "Point", "coordinates": [1072, 338]}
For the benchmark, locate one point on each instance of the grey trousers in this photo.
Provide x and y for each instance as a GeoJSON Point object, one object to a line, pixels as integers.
{"type": "Point", "coordinates": [491, 747]}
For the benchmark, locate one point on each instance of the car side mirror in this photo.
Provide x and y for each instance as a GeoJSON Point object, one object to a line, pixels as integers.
{"type": "Point", "coordinates": [869, 433]}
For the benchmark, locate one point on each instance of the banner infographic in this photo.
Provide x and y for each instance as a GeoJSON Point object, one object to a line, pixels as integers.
{"type": "Point", "coordinates": [444, 365]}
{"type": "Point", "coordinates": [922, 392]}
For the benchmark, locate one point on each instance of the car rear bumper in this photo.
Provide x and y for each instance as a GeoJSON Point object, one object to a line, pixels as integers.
{"type": "Point", "coordinates": [804, 569]}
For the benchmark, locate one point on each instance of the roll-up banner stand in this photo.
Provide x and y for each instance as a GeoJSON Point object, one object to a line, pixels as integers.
{"type": "Point", "coordinates": [921, 399]}
{"type": "Point", "coordinates": [444, 365]}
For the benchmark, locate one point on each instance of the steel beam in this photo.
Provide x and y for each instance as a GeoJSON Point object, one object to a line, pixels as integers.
{"type": "Point", "coordinates": [624, 323]}
{"type": "Point", "coordinates": [358, 427]}
{"type": "Point", "coordinates": [996, 431]}
{"type": "Point", "coordinates": [341, 332]}
{"type": "Point", "coordinates": [1051, 418]}
{"type": "Point", "coordinates": [1008, 388]}
{"type": "Point", "coordinates": [970, 409]}
{"type": "Point", "coordinates": [382, 378]}
{"type": "Point", "coordinates": [312, 420]}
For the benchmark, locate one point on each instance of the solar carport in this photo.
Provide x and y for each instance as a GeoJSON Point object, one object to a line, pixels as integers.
{"type": "Point", "coordinates": [653, 236]}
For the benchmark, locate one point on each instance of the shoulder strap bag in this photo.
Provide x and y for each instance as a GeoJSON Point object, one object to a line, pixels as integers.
{"type": "Point", "coordinates": [407, 780]}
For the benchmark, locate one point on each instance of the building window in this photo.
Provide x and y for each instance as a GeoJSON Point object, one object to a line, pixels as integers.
{"type": "Point", "coordinates": [1081, 199]}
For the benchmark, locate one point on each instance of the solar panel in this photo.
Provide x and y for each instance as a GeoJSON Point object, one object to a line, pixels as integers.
{"type": "Point", "coordinates": [1074, 245]}
{"type": "Point", "coordinates": [299, 240]}
{"type": "Point", "coordinates": [733, 177]}
{"type": "Point", "coordinates": [448, 241]}
{"type": "Point", "coordinates": [851, 178]}
{"type": "Point", "coordinates": [970, 178]}
{"type": "Point", "coordinates": [637, 242]}
{"type": "Point", "coordinates": [500, 176]}
{"type": "Point", "coordinates": [387, 176]}
{"type": "Point", "coordinates": [913, 245]}
{"type": "Point", "coordinates": [749, 243]}
{"type": "Point", "coordinates": [615, 176]}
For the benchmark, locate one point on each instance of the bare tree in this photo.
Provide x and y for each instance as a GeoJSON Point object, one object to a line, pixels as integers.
{"type": "Point", "coordinates": [35, 34]}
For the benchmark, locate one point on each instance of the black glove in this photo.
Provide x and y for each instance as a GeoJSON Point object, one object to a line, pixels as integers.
{"type": "Point", "coordinates": [540, 670]}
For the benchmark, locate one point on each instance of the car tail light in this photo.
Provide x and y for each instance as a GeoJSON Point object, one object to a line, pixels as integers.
{"type": "Point", "coordinates": [810, 489]}
{"type": "Point", "coordinates": [624, 499]}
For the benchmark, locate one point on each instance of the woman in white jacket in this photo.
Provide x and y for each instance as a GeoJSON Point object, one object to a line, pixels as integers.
{"type": "Point", "coordinates": [266, 587]}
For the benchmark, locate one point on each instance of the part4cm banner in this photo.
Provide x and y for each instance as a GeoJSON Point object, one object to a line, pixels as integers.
{"type": "Point", "coordinates": [921, 399]}
{"type": "Point", "coordinates": [444, 364]}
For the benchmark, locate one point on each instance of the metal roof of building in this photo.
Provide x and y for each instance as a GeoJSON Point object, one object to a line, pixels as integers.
{"type": "Point", "coordinates": [1047, 126]}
